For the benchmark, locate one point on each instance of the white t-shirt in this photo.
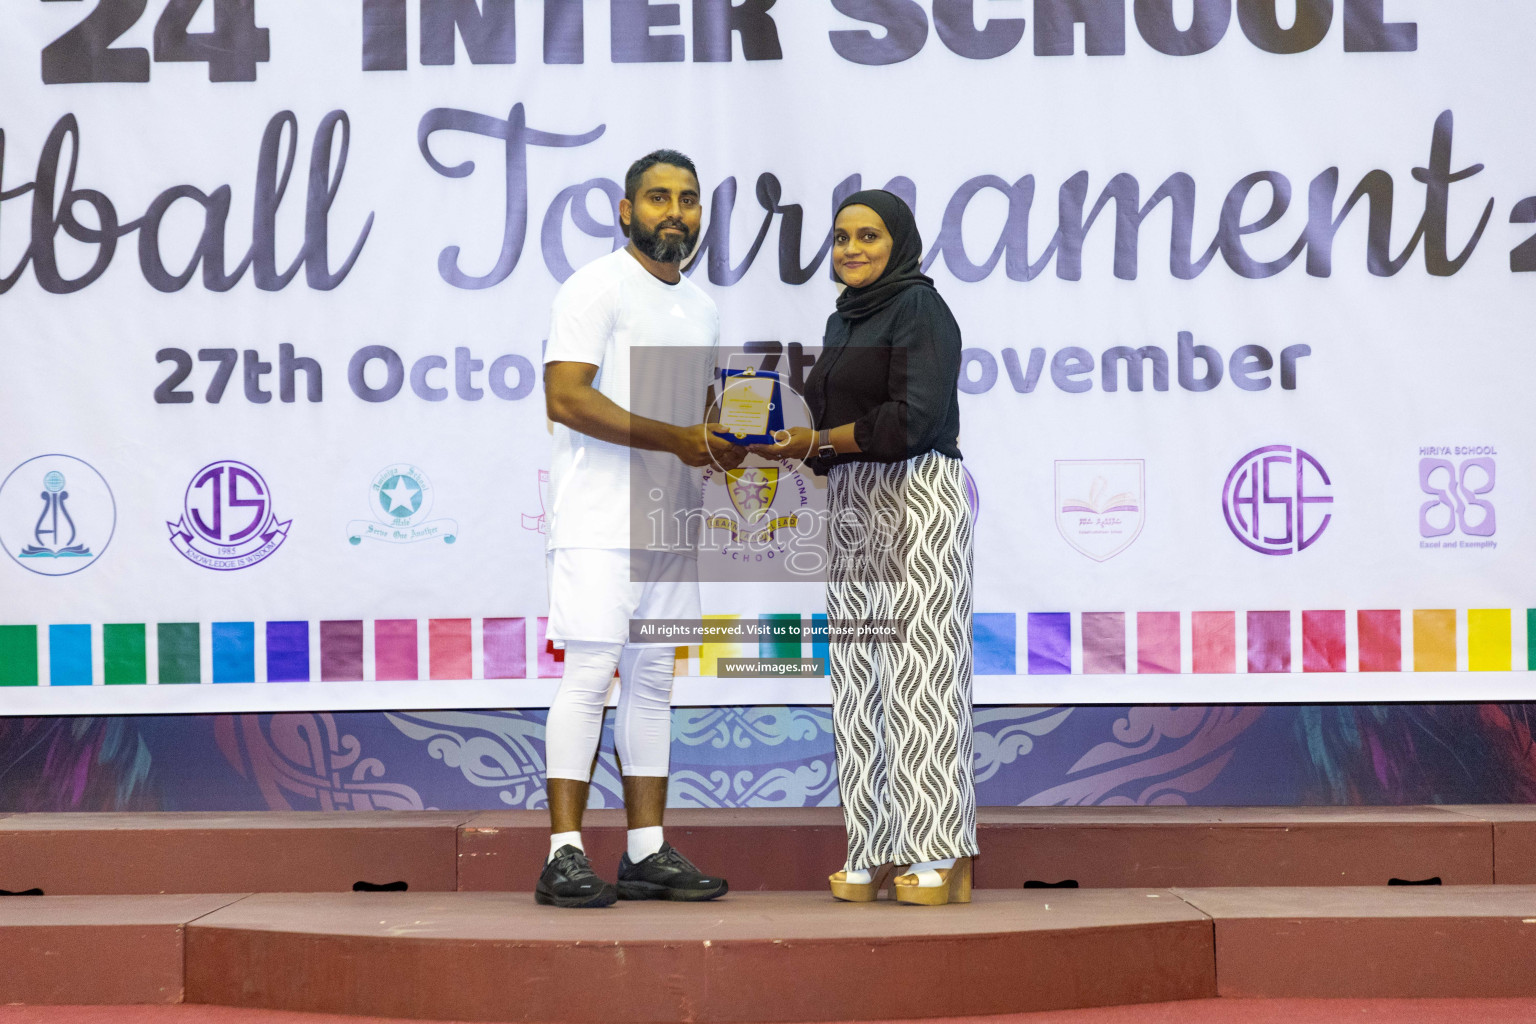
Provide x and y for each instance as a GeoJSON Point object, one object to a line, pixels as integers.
{"type": "Point", "coordinates": [602, 314]}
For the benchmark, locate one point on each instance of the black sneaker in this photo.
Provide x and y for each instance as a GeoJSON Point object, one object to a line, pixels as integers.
{"type": "Point", "coordinates": [568, 881]}
{"type": "Point", "coordinates": [666, 875]}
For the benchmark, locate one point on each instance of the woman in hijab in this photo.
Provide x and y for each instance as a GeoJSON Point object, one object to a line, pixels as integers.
{"type": "Point", "coordinates": [884, 398]}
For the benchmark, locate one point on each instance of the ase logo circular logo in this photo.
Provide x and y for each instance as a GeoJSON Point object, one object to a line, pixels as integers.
{"type": "Point", "coordinates": [1271, 496]}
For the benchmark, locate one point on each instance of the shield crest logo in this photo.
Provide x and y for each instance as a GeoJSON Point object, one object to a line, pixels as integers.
{"type": "Point", "coordinates": [540, 522]}
{"type": "Point", "coordinates": [752, 490]}
{"type": "Point", "coordinates": [1100, 504]}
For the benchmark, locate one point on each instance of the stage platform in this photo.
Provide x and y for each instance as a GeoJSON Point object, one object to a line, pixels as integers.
{"type": "Point", "coordinates": [766, 956]}
{"type": "Point", "coordinates": [769, 849]}
{"type": "Point", "coordinates": [253, 910]}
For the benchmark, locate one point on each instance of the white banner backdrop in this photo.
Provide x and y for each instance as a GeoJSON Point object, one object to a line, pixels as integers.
{"type": "Point", "coordinates": [1245, 288]}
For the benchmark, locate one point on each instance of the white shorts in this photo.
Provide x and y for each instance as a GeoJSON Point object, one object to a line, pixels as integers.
{"type": "Point", "coordinates": [593, 598]}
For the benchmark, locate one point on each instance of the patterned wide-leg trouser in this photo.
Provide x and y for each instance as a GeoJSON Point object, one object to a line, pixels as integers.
{"type": "Point", "coordinates": [900, 539]}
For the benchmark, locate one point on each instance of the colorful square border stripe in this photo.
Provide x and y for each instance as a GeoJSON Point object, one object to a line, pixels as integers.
{"type": "Point", "coordinates": [1097, 643]}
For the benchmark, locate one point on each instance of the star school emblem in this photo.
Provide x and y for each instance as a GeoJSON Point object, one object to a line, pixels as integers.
{"type": "Point", "coordinates": [1100, 505]}
{"type": "Point", "coordinates": [400, 498]}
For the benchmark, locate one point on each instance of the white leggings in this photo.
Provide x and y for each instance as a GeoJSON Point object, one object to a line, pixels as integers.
{"type": "Point", "coordinates": [643, 733]}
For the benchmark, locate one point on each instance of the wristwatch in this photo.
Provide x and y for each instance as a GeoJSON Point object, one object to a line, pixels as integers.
{"type": "Point", "coordinates": [824, 447]}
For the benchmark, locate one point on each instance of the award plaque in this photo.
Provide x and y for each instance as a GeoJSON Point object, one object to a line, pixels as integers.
{"type": "Point", "coordinates": [751, 409]}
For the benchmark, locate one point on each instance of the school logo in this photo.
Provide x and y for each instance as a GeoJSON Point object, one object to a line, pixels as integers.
{"type": "Point", "coordinates": [752, 491]}
{"type": "Point", "coordinates": [540, 522]}
{"type": "Point", "coordinates": [227, 519]}
{"type": "Point", "coordinates": [1458, 481]}
{"type": "Point", "coordinates": [1100, 504]}
{"type": "Point", "coordinates": [760, 520]}
{"type": "Point", "coordinates": [401, 500]}
{"type": "Point", "coordinates": [57, 515]}
{"type": "Point", "coordinates": [1277, 500]}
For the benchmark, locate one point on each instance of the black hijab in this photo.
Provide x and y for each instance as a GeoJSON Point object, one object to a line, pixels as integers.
{"type": "Point", "coordinates": [901, 272]}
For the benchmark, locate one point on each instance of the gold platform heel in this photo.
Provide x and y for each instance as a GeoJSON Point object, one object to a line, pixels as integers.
{"type": "Point", "coordinates": [955, 887]}
{"type": "Point", "coordinates": [861, 892]}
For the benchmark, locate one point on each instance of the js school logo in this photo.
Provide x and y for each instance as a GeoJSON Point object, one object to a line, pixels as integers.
{"type": "Point", "coordinates": [57, 515]}
{"type": "Point", "coordinates": [1100, 504]}
{"type": "Point", "coordinates": [401, 499]}
{"type": "Point", "coordinates": [227, 520]}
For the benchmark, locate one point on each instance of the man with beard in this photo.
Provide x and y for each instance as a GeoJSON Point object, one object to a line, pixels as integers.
{"type": "Point", "coordinates": [626, 423]}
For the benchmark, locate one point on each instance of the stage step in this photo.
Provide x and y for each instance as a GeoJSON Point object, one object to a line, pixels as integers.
{"type": "Point", "coordinates": [766, 956]}
{"type": "Point", "coordinates": [1236, 846]}
{"type": "Point", "coordinates": [192, 852]}
{"type": "Point", "coordinates": [764, 848]}
{"type": "Point", "coordinates": [769, 849]}
{"type": "Point", "coordinates": [97, 949]}
{"type": "Point", "coordinates": [1514, 839]}
{"type": "Point", "coordinates": [1097, 847]}
{"type": "Point", "coordinates": [1419, 942]}
{"type": "Point", "coordinates": [748, 957]}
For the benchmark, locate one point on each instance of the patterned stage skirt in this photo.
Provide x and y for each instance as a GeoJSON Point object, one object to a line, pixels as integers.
{"type": "Point", "coordinates": [900, 539]}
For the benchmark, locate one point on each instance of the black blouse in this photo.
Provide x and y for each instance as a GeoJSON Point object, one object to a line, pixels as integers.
{"type": "Point", "coordinates": [895, 375]}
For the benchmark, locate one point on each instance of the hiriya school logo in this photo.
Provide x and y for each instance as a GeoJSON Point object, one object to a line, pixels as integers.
{"type": "Point", "coordinates": [401, 500]}
{"type": "Point", "coordinates": [227, 520]}
{"type": "Point", "coordinates": [1277, 500]}
{"type": "Point", "coordinates": [1458, 480]}
{"type": "Point", "coordinates": [1100, 504]}
{"type": "Point", "coordinates": [57, 514]}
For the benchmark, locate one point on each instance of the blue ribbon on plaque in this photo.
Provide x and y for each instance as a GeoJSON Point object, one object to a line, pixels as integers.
{"type": "Point", "coordinates": [751, 406]}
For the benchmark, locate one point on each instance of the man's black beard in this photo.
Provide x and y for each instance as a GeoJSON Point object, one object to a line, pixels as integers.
{"type": "Point", "coordinates": [663, 249]}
